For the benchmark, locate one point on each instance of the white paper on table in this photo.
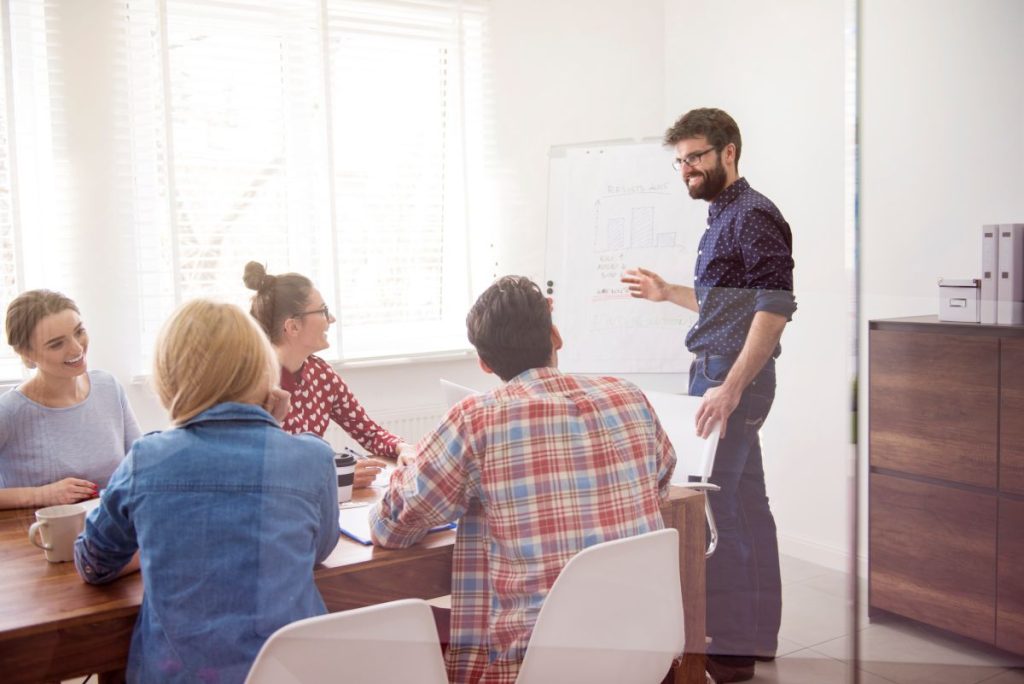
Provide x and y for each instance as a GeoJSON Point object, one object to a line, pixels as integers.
{"type": "Point", "coordinates": [354, 519]}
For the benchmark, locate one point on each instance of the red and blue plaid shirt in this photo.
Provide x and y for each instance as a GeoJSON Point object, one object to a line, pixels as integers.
{"type": "Point", "coordinates": [535, 471]}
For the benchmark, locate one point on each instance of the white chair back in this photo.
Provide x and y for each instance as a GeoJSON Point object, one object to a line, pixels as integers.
{"type": "Point", "coordinates": [677, 414]}
{"type": "Point", "coordinates": [388, 643]}
{"type": "Point", "coordinates": [615, 614]}
{"type": "Point", "coordinates": [454, 392]}
{"type": "Point", "coordinates": [695, 456]}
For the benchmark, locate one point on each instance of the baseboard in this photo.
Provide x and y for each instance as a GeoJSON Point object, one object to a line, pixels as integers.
{"type": "Point", "coordinates": [832, 557]}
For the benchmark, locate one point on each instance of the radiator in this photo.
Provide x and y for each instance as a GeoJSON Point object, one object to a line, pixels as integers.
{"type": "Point", "coordinates": [408, 423]}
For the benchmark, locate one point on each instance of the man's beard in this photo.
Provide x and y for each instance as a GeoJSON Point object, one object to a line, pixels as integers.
{"type": "Point", "coordinates": [714, 181]}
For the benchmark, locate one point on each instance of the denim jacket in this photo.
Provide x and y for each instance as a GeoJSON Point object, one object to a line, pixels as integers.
{"type": "Point", "coordinates": [229, 514]}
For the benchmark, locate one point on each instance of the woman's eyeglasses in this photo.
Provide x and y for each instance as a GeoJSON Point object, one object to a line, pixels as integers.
{"type": "Point", "coordinates": [322, 310]}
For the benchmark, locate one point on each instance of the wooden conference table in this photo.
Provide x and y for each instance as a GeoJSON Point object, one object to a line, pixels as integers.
{"type": "Point", "coordinates": [53, 626]}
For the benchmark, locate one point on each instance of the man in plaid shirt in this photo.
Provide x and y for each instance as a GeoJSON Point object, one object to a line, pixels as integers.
{"type": "Point", "coordinates": [534, 471]}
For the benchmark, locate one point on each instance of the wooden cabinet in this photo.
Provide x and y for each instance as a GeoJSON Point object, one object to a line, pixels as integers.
{"type": "Point", "coordinates": [1010, 600]}
{"type": "Point", "coordinates": [934, 401]}
{"type": "Point", "coordinates": [933, 554]}
{"type": "Point", "coordinates": [1011, 412]}
{"type": "Point", "coordinates": [946, 483]}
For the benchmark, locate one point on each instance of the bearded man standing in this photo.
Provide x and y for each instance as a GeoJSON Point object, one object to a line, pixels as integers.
{"type": "Point", "coordinates": [743, 293]}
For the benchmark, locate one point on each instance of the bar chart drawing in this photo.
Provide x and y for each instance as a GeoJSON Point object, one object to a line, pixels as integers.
{"type": "Point", "coordinates": [642, 226]}
{"type": "Point", "coordinates": [616, 233]}
{"type": "Point", "coordinates": [622, 227]}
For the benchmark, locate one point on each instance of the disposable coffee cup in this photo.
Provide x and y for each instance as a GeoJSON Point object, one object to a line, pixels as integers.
{"type": "Point", "coordinates": [56, 529]}
{"type": "Point", "coordinates": [346, 467]}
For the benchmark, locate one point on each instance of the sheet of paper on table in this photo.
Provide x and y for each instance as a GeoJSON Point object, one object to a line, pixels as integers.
{"type": "Point", "coordinates": [355, 522]}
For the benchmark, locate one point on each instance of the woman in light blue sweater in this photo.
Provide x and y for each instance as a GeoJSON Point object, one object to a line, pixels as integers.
{"type": "Point", "coordinates": [66, 429]}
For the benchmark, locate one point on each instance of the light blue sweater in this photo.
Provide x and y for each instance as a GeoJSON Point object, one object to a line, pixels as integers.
{"type": "Point", "coordinates": [39, 445]}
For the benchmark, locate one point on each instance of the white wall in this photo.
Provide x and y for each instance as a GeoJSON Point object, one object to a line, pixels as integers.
{"type": "Point", "coordinates": [943, 143]}
{"type": "Point", "coordinates": [566, 72]}
{"type": "Point", "coordinates": [778, 69]}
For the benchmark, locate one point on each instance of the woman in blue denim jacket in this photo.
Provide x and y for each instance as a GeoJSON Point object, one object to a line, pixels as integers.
{"type": "Point", "coordinates": [227, 512]}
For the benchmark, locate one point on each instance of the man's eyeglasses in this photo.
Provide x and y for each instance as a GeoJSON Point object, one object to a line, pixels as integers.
{"type": "Point", "coordinates": [322, 310]}
{"type": "Point", "coordinates": [690, 160]}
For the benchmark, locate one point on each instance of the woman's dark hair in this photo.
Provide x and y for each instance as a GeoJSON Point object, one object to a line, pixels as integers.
{"type": "Point", "coordinates": [714, 125]}
{"type": "Point", "coordinates": [277, 298]}
{"type": "Point", "coordinates": [510, 326]}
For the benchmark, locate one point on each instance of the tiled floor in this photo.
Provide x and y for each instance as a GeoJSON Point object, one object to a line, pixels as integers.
{"type": "Point", "coordinates": [815, 643]}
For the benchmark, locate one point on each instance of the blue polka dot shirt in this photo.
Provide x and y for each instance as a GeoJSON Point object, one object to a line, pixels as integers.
{"type": "Point", "coordinates": [744, 265]}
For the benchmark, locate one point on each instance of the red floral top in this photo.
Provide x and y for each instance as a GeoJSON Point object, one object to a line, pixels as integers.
{"type": "Point", "coordinates": [319, 395]}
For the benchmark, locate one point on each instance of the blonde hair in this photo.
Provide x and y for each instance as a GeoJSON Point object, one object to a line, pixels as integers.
{"type": "Point", "coordinates": [209, 353]}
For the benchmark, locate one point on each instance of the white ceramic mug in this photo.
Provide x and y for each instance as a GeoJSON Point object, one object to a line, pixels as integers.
{"type": "Point", "coordinates": [56, 529]}
{"type": "Point", "coordinates": [345, 464]}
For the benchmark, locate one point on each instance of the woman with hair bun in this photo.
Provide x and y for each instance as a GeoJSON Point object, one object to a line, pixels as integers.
{"type": "Point", "coordinates": [66, 428]}
{"type": "Point", "coordinates": [293, 315]}
{"type": "Point", "coordinates": [225, 513]}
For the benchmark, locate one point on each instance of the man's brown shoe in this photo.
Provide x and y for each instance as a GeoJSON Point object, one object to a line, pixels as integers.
{"type": "Point", "coordinates": [724, 669]}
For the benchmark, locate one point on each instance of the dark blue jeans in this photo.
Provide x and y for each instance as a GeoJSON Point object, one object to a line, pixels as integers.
{"type": "Point", "coordinates": [744, 590]}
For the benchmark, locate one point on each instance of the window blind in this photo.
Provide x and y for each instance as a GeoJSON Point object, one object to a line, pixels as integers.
{"type": "Point", "coordinates": [9, 280]}
{"type": "Point", "coordinates": [32, 183]}
{"type": "Point", "coordinates": [236, 157]}
{"type": "Point", "coordinates": [150, 148]}
{"type": "Point", "coordinates": [317, 136]}
{"type": "Point", "coordinates": [399, 105]}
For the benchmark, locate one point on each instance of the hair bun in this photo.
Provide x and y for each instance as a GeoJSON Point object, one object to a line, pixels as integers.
{"type": "Point", "coordinates": [256, 278]}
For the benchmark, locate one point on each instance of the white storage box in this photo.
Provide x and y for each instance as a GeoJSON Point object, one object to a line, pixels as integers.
{"type": "Point", "coordinates": [959, 300]}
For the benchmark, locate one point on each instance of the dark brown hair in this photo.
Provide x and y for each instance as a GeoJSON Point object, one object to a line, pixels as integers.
{"type": "Point", "coordinates": [510, 326]}
{"type": "Point", "coordinates": [717, 127]}
{"type": "Point", "coordinates": [277, 298]}
{"type": "Point", "coordinates": [27, 309]}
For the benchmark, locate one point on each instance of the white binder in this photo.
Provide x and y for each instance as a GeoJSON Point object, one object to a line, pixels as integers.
{"type": "Point", "coordinates": [1010, 288]}
{"type": "Point", "coordinates": [989, 274]}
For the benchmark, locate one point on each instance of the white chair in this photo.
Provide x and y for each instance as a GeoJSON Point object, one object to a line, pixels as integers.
{"type": "Point", "coordinates": [695, 456]}
{"type": "Point", "coordinates": [615, 614]}
{"type": "Point", "coordinates": [388, 643]}
{"type": "Point", "coordinates": [454, 392]}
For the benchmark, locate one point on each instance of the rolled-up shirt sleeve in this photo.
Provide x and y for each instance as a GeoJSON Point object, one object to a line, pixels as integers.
{"type": "Point", "coordinates": [108, 541]}
{"type": "Point", "coordinates": [432, 490]}
{"type": "Point", "coordinates": [767, 248]}
{"type": "Point", "coordinates": [776, 301]}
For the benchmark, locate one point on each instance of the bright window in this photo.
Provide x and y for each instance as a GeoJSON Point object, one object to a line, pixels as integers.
{"type": "Point", "coordinates": [9, 280]}
{"type": "Point", "coordinates": [331, 138]}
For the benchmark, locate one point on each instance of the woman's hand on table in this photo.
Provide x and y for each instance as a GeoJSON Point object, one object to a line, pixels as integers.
{"type": "Point", "coordinates": [367, 470]}
{"type": "Point", "coordinates": [67, 491]}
